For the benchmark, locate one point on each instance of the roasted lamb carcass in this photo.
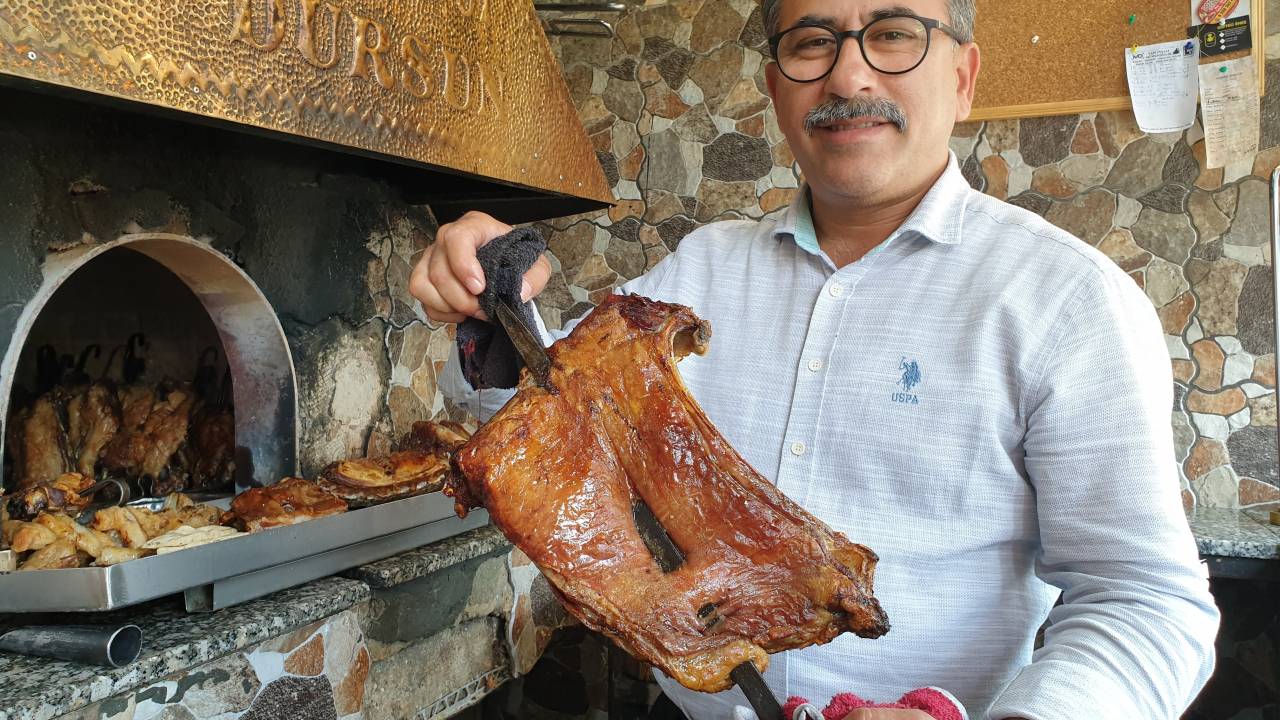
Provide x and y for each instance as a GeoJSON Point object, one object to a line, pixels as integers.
{"type": "Point", "coordinates": [560, 466]}
{"type": "Point", "coordinates": [290, 501]}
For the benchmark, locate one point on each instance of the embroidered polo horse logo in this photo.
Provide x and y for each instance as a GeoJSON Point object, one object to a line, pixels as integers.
{"type": "Point", "coordinates": [910, 374]}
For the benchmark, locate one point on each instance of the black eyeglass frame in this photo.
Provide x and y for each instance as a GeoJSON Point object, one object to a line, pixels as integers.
{"type": "Point", "coordinates": [929, 26]}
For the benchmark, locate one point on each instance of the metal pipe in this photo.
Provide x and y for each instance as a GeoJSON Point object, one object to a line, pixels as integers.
{"type": "Point", "coordinates": [579, 7]}
{"type": "Point", "coordinates": [90, 644]}
{"type": "Point", "coordinates": [553, 29]}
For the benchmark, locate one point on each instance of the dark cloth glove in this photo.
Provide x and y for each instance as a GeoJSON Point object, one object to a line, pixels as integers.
{"type": "Point", "coordinates": [489, 359]}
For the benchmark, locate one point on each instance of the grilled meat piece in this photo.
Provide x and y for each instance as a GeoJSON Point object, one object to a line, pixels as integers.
{"type": "Point", "coordinates": [57, 555]}
{"type": "Point", "coordinates": [144, 449]}
{"type": "Point", "coordinates": [59, 496]}
{"type": "Point", "coordinates": [88, 540]}
{"type": "Point", "coordinates": [375, 480]}
{"type": "Point", "coordinates": [290, 501]}
{"type": "Point", "coordinates": [39, 443]}
{"type": "Point", "coordinates": [210, 450]}
{"type": "Point", "coordinates": [442, 439]}
{"type": "Point", "coordinates": [23, 536]}
{"type": "Point", "coordinates": [113, 555]}
{"type": "Point", "coordinates": [559, 468]}
{"type": "Point", "coordinates": [127, 524]}
{"type": "Point", "coordinates": [93, 418]}
{"type": "Point", "coordinates": [135, 404]}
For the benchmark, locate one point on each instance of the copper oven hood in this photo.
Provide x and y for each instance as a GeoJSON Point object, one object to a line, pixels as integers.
{"type": "Point", "coordinates": [464, 87]}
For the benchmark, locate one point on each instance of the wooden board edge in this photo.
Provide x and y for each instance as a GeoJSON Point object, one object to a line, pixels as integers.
{"type": "Point", "coordinates": [1070, 107]}
{"type": "Point", "coordinates": [1259, 20]}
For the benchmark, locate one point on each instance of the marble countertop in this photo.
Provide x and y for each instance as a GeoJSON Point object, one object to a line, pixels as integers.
{"type": "Point", "coordinates": [427, 559]}
{"type": "Point", "coordinates": [1235, 533]}
{"type": "Point", "coordinates": [175, 640]}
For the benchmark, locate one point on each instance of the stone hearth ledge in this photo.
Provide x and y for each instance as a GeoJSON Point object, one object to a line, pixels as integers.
{"type": "Point", "coordinates": [1234, 533]}
{"type": "Point", "coordinates": [174, 641]}
{"type": "Point", "coordinates": [420, 562]}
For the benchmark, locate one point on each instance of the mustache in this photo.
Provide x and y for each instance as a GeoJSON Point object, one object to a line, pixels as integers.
{"type": "Point", "coordinates": [854, 108]}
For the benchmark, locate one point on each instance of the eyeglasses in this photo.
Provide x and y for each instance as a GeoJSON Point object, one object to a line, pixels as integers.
{"type": "Point", "coordinates": [892, 45]}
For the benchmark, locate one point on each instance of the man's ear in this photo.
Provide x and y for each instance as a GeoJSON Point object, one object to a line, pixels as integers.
{"type": "Point", "coordinates": [771, 80]}
{"type": "Point", "coordinates": [968, 60]}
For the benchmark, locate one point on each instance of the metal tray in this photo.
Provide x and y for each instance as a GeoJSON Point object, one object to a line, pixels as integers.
{"type": "Point", "coordinates": [232, 571]}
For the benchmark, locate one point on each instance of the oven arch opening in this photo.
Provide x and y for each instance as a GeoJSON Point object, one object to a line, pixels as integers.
{"type": "Point", "coordinates": [257, 353]}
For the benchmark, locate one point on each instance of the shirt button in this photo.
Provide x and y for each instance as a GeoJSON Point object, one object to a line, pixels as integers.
{"type": "Point", "coordinates": [815, 364]}
{"type": "Point", "coordinates": [797, 448]}
{"type": "Point", "coordinates": [837, 290]}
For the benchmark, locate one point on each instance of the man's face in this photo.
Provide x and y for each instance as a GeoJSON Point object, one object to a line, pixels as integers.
{"type": "Point", "coordinates": [869, 160]}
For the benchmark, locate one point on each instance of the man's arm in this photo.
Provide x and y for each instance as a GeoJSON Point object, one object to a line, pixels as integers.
{"type": "Point", "coordinates": [1134, 635]}
{"type": "Point", "coordinates": [436, 285]}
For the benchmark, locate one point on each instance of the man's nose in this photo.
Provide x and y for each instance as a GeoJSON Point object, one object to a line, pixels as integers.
{"type": "Point", "coordinates": [852, 75]}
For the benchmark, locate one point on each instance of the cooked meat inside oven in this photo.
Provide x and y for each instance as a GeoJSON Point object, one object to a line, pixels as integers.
{"type": "Point", "coordinates": [37, 442]}
{"type": "Point", "coordinates": [560, 467]}
{"type": "Point", "coordinates": [93, 418]}
{"type": "Point", "coordinates": [167, 434]}
{"type": "Point", "coordinates": [145, 449]}
{"type": "Point", "coordinates": [290, 501]}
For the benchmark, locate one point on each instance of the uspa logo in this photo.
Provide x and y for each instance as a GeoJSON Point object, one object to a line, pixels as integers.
{"type": "Point", "coordinates": [910, 370]}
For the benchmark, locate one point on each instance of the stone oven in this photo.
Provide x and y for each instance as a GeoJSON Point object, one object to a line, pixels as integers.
{"type": "Point", "coordinates": [236, 190]}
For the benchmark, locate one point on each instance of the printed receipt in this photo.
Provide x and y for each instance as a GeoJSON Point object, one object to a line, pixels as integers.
{"type": "Point", "coordinates": [1230, 106]}
{"type": "Point", "coordinates": [1163, 85]}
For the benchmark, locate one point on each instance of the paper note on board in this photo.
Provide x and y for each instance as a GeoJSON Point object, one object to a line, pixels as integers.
{"type": "Point", "coordinates": [1163, 85]}
{"type": "Point", "coordinates": [1230, 106]}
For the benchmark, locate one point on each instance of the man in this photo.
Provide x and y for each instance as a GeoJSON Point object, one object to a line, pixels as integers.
{"type": "Point", "coordinates": [976, 395]}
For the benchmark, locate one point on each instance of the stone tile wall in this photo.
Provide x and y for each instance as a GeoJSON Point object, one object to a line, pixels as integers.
{"type": "Point", "coordinates": [317, 672]}
{"type": "Point", "coordinates": [677, 110]}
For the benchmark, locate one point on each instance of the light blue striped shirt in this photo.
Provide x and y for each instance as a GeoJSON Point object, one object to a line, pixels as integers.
{"type": "Point", "coordinates": [985, 403]}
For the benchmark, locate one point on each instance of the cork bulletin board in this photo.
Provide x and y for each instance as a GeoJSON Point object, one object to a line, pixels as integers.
{"type": "Point", "coordinates": [1077, 63]}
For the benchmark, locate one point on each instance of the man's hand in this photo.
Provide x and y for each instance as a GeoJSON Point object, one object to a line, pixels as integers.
{"type": "Point", "coordinates": [887, 714]}
{"type": "Point", "coordinates": [448, 277]}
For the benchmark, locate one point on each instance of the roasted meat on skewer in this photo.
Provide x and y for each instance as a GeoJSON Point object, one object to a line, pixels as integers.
{"type": "Point", "coordinates": [144, 449]}
{"type": "Point", "coordinates": [93, 418]}
{"type": "Point", "coordinates": [561, 465]}
{"type": "Point", "coordinates": [38, 443]}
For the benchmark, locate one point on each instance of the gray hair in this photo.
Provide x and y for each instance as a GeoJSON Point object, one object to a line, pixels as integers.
{"type": "Point", "coordinates": [963, 15]}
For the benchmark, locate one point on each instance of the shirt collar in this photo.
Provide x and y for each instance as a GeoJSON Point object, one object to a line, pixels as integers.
{"type": "Point", "coordinates": [938, 217]}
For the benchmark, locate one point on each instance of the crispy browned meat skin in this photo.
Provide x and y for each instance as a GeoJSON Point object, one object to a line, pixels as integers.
{"type": "Point", "coordinates": [92, 420]}
{"type": "Point", "coordinates": [443, 438]}
{"type": "Point", "coordinates": [558, 468]}
{"type": "Point", "coordinates": [370, 481]}
{"type": "Point", "coordinates": [59, 496]}
{"type": "Point", "coordinates": [145, 449]}
{"type": "Point", "coordinates": [292, 500]}
{"type": "Point", "coordinates": [41, 444]}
